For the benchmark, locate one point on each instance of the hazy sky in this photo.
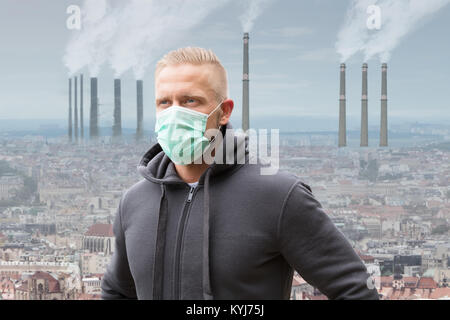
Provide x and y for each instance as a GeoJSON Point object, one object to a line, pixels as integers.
{"type": "Point", "coordinates": [294, 67]}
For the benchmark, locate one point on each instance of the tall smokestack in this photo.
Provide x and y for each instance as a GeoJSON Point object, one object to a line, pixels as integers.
{"type": "Point", "coordinates": [342, 116]}
{"type": "Point", "coordinates": [383, 127]}
{"type": "Point", "coordinates": [70, 110]}
{"type": "Point", "coordinates": [75, 111]}
{"type": "Point", "coordinates": [93, 122]}
{"type": "Point", "coordinates": [364, 104]}
{"type": "Point", "coordinates": [245, 87]}
{"type": "Point", "coordinates": [117, 127]}
{"type": "Point", "coordinates": [81, 109]}
{"type": "Point", "coordinates": [140, 109]}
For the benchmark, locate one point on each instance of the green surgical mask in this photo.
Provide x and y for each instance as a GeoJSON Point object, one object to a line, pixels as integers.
{"type": "Point", "coordinates": [180, 133]}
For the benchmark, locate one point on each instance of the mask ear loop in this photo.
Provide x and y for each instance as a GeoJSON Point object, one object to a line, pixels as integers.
{"type": "Point", "coordinates": [214, 138]}
{"type": "Point", "coordinates": [215, 108]}
{"type": "Point", "coordinates": [219, 129]}
{"type": "Point", "coordinates": [211, 141]}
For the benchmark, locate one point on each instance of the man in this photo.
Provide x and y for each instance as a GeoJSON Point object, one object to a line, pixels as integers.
{"type": "Point", "coordinates": [219, 230]}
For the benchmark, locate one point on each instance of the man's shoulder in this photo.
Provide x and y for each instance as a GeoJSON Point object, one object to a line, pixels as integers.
{"type": "Point", "coordinates": [279, 182]}
{"type": "Point", "coordinates": [141, 189]}
{"type": "Point", "coordinates": [256, 172]}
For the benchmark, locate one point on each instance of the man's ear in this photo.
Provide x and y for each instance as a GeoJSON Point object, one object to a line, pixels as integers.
{"type": "Point", "coordinates": [227, 108]}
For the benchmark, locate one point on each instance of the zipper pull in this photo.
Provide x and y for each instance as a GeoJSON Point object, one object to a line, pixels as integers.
{"type": "Point", "coordinates": [191, 192]}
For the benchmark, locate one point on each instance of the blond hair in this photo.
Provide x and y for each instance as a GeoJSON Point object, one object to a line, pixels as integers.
{"type": "Point", "coordinates": [197, 56]}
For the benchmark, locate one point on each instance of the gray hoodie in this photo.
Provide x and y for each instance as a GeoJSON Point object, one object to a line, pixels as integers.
{"type": "Point", "coordinates": [237, 235]}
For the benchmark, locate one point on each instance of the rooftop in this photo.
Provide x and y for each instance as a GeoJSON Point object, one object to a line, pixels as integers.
{"type": "Point", "coordinates": [100, 230]}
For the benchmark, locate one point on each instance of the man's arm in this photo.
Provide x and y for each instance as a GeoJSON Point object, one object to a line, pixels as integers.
{"type": "Point", "coordinates": [117, 282]}
{"type": "Point", "coordinates": [318, 251]}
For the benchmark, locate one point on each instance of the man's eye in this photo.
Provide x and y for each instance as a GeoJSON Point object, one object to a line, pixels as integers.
{"type": "Point", "coordinates": [190, 100]}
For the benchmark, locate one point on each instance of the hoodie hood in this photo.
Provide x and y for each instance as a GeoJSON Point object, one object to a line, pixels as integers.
{"type": "Point", "coordinates": [157, 167]}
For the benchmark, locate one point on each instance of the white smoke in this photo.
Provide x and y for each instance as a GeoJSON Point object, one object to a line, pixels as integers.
{"type": "Point", "coordinates": [89, 47]}
{"type": "Point", "coordinates": [354, 33]}
{"type": "Point", "coordinates": [253, 9]}
{"type": "Point", "coordinates": [398, 18]}
{"type": "Point", "coordinates": [139, 23]}
{"type": "Point", "coordinates": [149, 27]}
{"type": "Point", "coordinates": [132, 34]}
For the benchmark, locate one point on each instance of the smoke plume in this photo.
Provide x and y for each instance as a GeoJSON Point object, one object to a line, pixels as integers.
{"type": "Point", "coordinates": [398, 18]}
{"type": "Point", "coordinates": [252, 11]}
{"type": "Point", "coordinates": [133, 33]}
{"type": "Point", "coordinates": [148, 28]}
{"type": "Point", "coordinates": [89, 46]}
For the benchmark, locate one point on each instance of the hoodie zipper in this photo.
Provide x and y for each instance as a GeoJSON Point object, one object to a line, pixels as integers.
{"type": "Point", "coordinates": [187, 205]}
{"type": "Point", "coordinates": [191, 192]}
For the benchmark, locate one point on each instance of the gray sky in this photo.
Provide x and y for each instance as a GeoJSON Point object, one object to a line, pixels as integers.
{"type": "Point", "coordinates": [294, 68]}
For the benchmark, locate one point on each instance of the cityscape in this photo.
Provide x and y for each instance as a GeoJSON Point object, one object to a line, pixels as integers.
{"type": "Point", "coordinates": [58, 200]}
{"type": "Point", "coordinates": [359, 101]}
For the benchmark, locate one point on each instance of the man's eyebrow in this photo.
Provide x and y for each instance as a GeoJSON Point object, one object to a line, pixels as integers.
{"type": "Point", "coordinates": [193, 96]}
{"type": "Point", "coordinates": [182, 96]}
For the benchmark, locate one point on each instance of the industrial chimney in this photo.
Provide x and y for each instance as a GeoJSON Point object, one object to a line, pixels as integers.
{"type": "Point", "coordinates": [245, 87]}
{"type": "Point", "coordinates": [364, 103]}
{"type": "Point", "coordinates": [70, 110]}
{"type": "Point", "coordinates": [117, 127]}
{"type": "Point", "coordinates": [81, 109]}
{"type": "Point", "coordinates": [342, 116]}
{"type": "Point", "coordinates": [140, 110]}
{"type": "Point", "coordinates": [93, 124]}
{"type": "Point", "coordinates": [75, 111]}
{"type": "Point", "coordinates": [383, 127]}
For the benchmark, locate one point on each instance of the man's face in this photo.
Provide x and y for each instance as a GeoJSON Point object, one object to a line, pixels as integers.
{"type": "Point", "coordinates": [191, 86]}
